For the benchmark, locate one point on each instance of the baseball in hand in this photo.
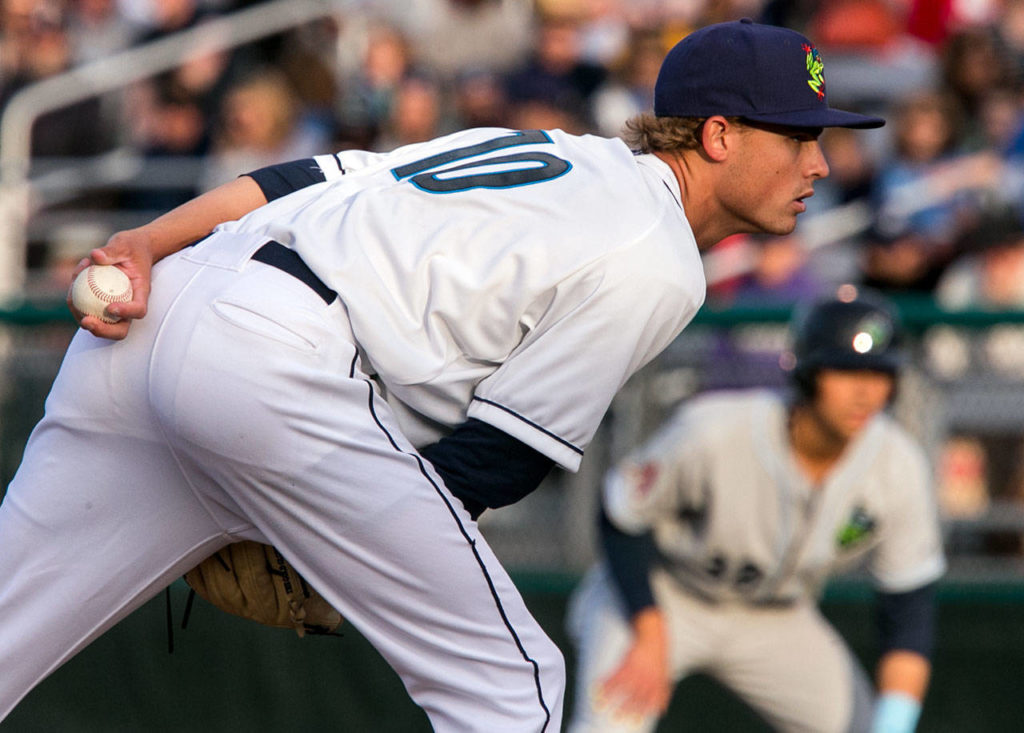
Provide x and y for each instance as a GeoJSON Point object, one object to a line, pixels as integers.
{"type": "Point", "coordinates": [96, 287]}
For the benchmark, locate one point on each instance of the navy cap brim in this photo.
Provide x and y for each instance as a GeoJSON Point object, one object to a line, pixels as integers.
{"type": "Point", "coordinates": [818, 118]}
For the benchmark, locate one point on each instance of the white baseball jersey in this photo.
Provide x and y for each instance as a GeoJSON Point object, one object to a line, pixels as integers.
{"type": "Point", "coordinates": [734, 518]}
{"type": "Point", "coordinates": [518, 314]}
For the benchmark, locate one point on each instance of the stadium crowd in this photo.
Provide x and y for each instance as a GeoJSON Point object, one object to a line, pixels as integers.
{"type": "Point", "coordinates": [930, 204]}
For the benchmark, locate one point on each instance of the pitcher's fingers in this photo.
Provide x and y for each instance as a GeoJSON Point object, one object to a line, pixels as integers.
{"type": "Point", "coordinates": [130, 310]}
{"type": "Point", "coordinates": [102, 329]}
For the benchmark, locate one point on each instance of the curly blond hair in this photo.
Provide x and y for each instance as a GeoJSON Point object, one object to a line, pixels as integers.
{"type": "Point", "coordinates": [648, 134]}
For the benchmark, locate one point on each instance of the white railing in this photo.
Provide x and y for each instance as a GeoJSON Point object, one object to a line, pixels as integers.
{"type": "Point", "coordinates": [105, 75]}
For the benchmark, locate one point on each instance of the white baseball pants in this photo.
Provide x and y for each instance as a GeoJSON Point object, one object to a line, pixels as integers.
{"type": "Point", "coordinates": [238, 409]}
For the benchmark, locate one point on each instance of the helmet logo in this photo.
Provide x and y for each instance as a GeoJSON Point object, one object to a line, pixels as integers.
{"type": "Point", "coordinates": [863, 342]}
{"type": "Point", "coordinates": [873, 332]}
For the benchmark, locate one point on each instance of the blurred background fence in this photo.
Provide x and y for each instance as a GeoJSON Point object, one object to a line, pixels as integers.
{"type": "Point", "coordinates": [227, 674]}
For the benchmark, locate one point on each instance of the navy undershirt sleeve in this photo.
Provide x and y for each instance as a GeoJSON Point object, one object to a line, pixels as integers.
{"type": "Point", "coordinates": [630, 559]}
{"type": "Point", "coordinates": [907, 620]}
{"type": "Point", "coordinates": [485, 467]}
{"type": "Point", "coordinates": [279, 180]}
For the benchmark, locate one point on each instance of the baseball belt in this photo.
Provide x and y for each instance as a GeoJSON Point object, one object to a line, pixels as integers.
{"type": "Point", "coordinates": [288, 260]}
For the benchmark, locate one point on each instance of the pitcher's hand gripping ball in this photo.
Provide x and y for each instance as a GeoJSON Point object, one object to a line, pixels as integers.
{"type": "Point", "coordinates": [254, 581]}
{"type": "Point", "coordinates": [96, 287]}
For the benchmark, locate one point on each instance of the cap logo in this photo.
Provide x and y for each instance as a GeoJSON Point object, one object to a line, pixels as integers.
{"type": "Point", "coordinates": [816, 68]}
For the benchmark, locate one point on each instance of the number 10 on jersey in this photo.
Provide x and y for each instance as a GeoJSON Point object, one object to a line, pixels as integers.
{"type": "Point", "coordinates": [434, 174]}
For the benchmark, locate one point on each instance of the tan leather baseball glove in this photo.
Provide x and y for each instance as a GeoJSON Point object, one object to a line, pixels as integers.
{"type": "Point", "coordinates": [254, 581]}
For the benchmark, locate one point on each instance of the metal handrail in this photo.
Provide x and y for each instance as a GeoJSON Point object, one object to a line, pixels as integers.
{"type": "Point", "coordinates": [107, 74]}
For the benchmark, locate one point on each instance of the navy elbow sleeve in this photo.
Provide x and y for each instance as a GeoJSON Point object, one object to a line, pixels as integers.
{"type": "Point", "coordinates": [485, 467]}
{"type": "Point", "coordinates": [630, 559]}
{"type": "Point", "coordinates": [279, 180]}
{"type": "Point", "coordinates": [907, 620]}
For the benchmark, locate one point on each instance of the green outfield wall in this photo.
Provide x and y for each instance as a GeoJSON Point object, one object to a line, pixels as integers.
{"type": "Point", "coordinates": [227, 675]}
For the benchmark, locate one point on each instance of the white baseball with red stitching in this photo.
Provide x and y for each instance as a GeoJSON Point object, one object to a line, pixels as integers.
{"type": "Point", "coordinates": [98, 286]}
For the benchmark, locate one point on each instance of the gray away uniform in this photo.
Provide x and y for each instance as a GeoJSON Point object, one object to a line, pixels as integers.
{"type": "Point", "coordinates": [745, 544]}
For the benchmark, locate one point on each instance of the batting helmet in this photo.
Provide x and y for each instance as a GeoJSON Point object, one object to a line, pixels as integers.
{"type": "Point", "coordinates": [849, 331]}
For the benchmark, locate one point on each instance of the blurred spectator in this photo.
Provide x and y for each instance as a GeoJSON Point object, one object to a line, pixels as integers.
{"type": "Point", "coordinates": [34, 47]}
{"type": "Point", "coordinates": [305, 58]}
{"type": "Point", "coordinates": [840, 210]}
{"type": "Point", "coordinates": [605, 32]}
{"type": "Point", "coordinates": [479, 99]}
{"type": "Point", "coordinates": [676, 18]}
{"type": "Point", "coordinates": [544, 114]}
{"type": "Point", "coordinates": [15, 31]}
{"type": "Point", "coordinates": [856, 24]}
{"type": "Point", "coordinates": [781, 273]}
{"type": "Point", "coordinates": [1011, 30]}
{"type": "Point", "coordinates": [260, 123]}
{"type": "Point", "coordinates": [1000, 120]}
{"type": "Point", "coordinates": [630, 90]}
{"type": "Point", "coordinates": [98, 29]}
{"type": "Point", "coordinates": [933, 21]}
{"type": "Point", "coordinates": [170, 126]}
{"type": "Point", "coordinates": [903, 261]}
{"type": "Point", "coordinates": [206, 73]}
{"type": "Point", "coordinates": [852, 170]}
{"type": "Point", "coordinates": [164, 17]}
{"type": "Point", "coordinates": [870, 60]}
{"type": "Point", "coordinates": [207, 70]}
{"type": "Point", "coordinates": [789, 13]}
{"type": "Point", "coordinates": [920, 193]}
{"type": "Point", "coordinates": [417, 114]}
{"type": "Point", "coordinates": [975, 64]}
{"type": "Point", "coordinates": [758, 270]}
{"type": "Point", "coordinates": [990, 273]}
{"type": "Point", "coordinates": [556, 72]}
{"type": "Point", "coordinates": [367, 96]}
{"type": "Point", "coordinates": [453, 36]}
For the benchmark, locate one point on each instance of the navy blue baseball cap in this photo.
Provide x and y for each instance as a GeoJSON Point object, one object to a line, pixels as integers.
{"type": "Point", "coordinates": [762, 73]}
